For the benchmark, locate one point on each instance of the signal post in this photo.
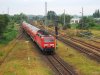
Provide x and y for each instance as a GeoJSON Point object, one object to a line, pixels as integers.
{"type": "Point", "coordinates": [56, 32]}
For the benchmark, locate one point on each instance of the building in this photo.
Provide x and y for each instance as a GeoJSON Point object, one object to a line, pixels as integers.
{"type": "Point", "coordinates": [75, 20]}
{"type": "Point", "coordinates": [97, 20]}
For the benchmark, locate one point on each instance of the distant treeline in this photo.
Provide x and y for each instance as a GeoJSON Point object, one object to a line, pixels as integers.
{"type": "Point", "coordinates": [18, 18]}
{"type": "Point", "coordinates": [52, 18]}
{"type": "Point", "coordinates": [3, 23]}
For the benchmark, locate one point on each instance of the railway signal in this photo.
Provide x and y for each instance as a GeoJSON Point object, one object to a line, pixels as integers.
{"type": "Point", "coordinates": [56, 30]}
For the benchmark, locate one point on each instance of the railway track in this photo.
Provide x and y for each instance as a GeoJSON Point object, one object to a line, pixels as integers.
{"type": "Point", "coordinates": [62, 67]}
{"type": "Point", "coordinates": [58, 64]}
{"type": "Point", "coordinates": [90, 53]}
{"type": "Point", "coordinates": [96, 41]}
{"type": "Point", "coordinates": [94, 48]}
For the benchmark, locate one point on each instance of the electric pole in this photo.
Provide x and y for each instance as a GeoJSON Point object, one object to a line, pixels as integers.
{"type": "Point", "coordinates": [64, 17]}
{"type": "Point", "coordinates": [82, 18]}
{"type": "Point", "coordinates": [45, 15]}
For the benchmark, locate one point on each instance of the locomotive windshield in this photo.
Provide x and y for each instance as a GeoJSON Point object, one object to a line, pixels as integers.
{"type": "Point", "coordinates": [48, 40]}
{"type": "Point", "coordinates": [42, 32]}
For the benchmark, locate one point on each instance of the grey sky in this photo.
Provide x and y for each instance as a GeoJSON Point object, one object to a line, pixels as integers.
{"type": "Point", "coordinates": [36, 7]}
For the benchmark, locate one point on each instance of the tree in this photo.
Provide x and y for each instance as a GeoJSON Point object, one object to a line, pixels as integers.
{"type": "Point", "coordinates": [88, 22]}
{"type": "Point", "coordinates": [3, 23]}
{"type": "Point", "coordinates": [19, 18]}
{"type": "Point", "coordinates": [96, 14]}
{"type": "Point", "coordinates": [67, 20]}
{"type": "Point", "coordinates": [51, 15]}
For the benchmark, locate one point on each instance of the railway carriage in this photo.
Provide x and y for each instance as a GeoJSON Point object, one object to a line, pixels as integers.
{"type": "Point", "coordinates": [45, 41]}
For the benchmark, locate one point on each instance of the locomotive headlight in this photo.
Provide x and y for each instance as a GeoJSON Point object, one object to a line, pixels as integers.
{"type": "Point", "coordinates": [52, 45]}
{"type": "Point", "coordinates": [45, 44]}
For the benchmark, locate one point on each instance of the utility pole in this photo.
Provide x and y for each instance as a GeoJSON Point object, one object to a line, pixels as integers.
{"type": "Point", "coordinates": [8, 11]}
{"type": "Point", "coordinates": [82, 17]}
{"type": "Point", "coordinates": [64, 17]}
{"type": "Point", "coordinates": [45, 15]}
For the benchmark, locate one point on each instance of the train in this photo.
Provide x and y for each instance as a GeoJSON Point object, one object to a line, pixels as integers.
{"type": "Point", "coordinates": [45, 41]}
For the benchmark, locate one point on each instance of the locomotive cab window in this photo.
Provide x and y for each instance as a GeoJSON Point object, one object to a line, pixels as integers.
{"type": "Point", "coordinates": [49, 40]}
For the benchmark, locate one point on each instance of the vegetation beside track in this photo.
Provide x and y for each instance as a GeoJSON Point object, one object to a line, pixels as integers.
{"type": "Point", "coordinates": [24, 60]}
{"type": "Point", "coordinates": [9, 34]}
{"type": "Point", "coordinates": [7, 40]}
{"type": "Point", "coordinates": [82, 64]}
{"type": "Point", "coordinates": [4, 49]}
{"type": "Point", "coordinates": [96, 33]}
{"type": "Point", "coordinates": [9, 26]}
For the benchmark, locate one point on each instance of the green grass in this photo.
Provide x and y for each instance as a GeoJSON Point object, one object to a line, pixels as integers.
{"type": "Point", "coordinates": [74, 26]}
{"type": "Point", "coordinates": [17, 62]}
{"type": "Point", "coordinates": [1, 53]}
{"type": "Point", "coordinates": [97, 27]}
{"type": "Point", "coordinates": [4, 49]}
{"type": "Point", "coordinates": [96, 33]}
{"type": "Point", "coordinates": [82, 64]}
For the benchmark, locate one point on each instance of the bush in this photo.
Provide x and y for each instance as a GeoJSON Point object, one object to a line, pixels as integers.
{"type": "Point", "coordinates": [66, 26]}
{"type": "Point", "coordinates": [85, 34]}
{"type": "Point", "coordinates": [9, 36]}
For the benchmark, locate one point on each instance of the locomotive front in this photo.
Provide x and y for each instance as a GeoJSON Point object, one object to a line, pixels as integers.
{"type": "Point", "coordinates": [49, 44]}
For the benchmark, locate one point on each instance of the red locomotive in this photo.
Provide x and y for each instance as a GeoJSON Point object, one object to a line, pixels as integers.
{"type": "Point", "coordinates": [44, 40]}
